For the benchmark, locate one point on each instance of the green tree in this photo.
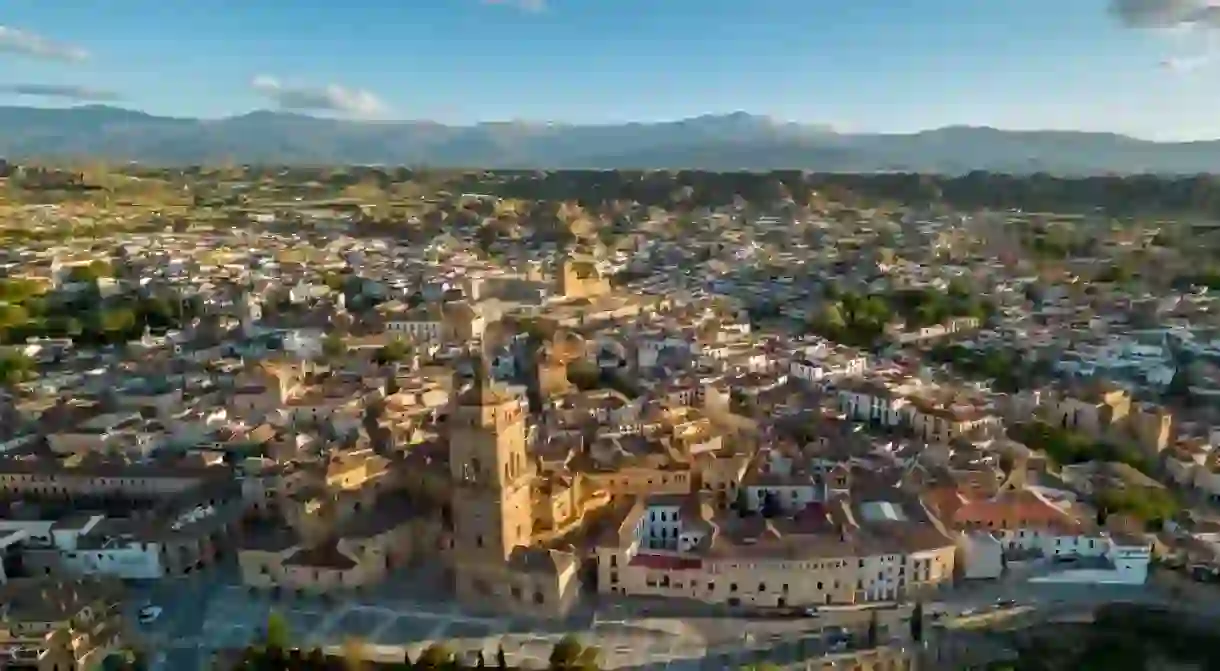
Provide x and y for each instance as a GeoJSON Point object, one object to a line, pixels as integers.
{"type": "Point", "coordinates": [90, 273]}
{"type": "Point", "coordinates": [830, 318]}
{"type": "Point", "coordinates": [479, 662]}
{"type": "Point", "coordinates": [393, 351]}
{"type": "Point", "coordinates": [917, 622]}
{"type": "Point", "coordinates": [15, 368]}
{"type": "Point", "coordinates": [277, 635]}
{"type": "Point", "coordinates": [12, 315]}
{"type": "Point", "coordinates": [871, 637]}
{"type": "Point", "coordinates": [333, 347]}
{"type": "Point", "coordinates": [501, 659]}
{"type": "Point", "coordinates": [570, 655]}
{"type": "Point", "coordinates": [117, 321]}
{"type": "Point", "coordinates": [158, 312]}
{"type": "Point", "coordinates": [584, 375]}
{"type": "Point", "coordinates": [435, 657]}
{"type": "Point", "coordinates": [355, 655]}
{"type": "Point", "coordinates": [742, 504]}
{"type": "Point", "coordinates": [334, 281]}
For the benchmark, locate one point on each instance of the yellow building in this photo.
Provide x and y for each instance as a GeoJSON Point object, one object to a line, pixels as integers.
{"type": "Point", "coordinates": [50, 625]}
{"type": "Point", "coordinates": [835, 552]}
{"type": "Point", "coordinates": [496, 562]}
{"type": "Point", "coordinates": [580, 278]}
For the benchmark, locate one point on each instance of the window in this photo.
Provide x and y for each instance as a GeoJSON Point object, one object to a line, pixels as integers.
{"type": "Point", "coordinates": [762, 587]}
{"type": "Point", "coordinates": [613, 561]}
{"type": "Point", "coordinates": [732, 587]}
{"type": "Point", "coordinates": [538, 598]}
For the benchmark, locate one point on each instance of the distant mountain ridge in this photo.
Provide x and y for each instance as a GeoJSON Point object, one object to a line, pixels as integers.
{"type": "Point", "coordinates": [738, 141]}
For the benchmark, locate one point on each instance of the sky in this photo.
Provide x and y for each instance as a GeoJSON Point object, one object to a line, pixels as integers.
{"type": "Point", "coordinates": [1140, 67]}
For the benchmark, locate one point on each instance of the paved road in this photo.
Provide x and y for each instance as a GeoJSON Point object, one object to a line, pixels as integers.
{"type": "Point", "coordinates": [209, 612]}
{"type": "Point", "coordinates": [203, 614]}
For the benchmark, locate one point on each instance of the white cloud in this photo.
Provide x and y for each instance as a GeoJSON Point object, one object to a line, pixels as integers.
{"type": "Point", "coordinates": [69, 92]}
{"type": "Point", "coordinates": [1186, 63]}
{"type": "Point", "coordinates": [1193, 25]}
{"type": "Point", "coordinates": [1167, 14]}
{"type": "Point", "coordinates": [333, 98]}
{"type": "Point", "coordinates": [523, 5]}
{"type": "Point", "coordinates": [14, 41]}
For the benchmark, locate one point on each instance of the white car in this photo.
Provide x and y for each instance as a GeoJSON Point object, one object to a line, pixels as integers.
{"type": "Point", "coordinates": [149, 614]}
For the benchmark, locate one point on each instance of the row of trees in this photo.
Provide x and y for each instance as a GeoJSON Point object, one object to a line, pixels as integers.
{"type": "Point", "coordinates": [1065, 447]}
{"type": "Point", "coordinates": [1039, 192]}
{"type": "Point", "coordinates": [1008, 370]}
{"type": "Point", "coordinates": [83, 315]}
{"type": "Point", "coordinates": [853, 318]}
{"type": "Point", "coordinates": [15, 368]}
{"type": "Point", "coordinates": [276, 653]}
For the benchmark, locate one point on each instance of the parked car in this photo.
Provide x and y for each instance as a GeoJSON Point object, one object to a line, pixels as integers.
{"type": "Point", "coordinates": [149, 614]}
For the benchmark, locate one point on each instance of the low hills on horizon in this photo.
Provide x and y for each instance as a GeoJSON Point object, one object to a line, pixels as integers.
{"type": "Point", "coordinates": [738, 141]}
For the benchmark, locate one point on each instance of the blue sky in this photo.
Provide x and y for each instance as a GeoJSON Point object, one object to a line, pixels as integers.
{"type": "Point", "coordinates": [860, 65]}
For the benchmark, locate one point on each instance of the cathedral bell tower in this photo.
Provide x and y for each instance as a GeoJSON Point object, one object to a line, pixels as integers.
{"type": "Point", "coordinates": [490, 469]}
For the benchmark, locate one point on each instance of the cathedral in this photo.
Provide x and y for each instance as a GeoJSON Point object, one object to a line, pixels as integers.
{"type": "Point", "coordinates": [497, 559]}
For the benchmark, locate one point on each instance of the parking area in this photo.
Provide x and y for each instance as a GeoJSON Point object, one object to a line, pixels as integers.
{"type": "Point", "coordinates": [204, 616]}
{"type": "Point", "coordinates": [207, 613]}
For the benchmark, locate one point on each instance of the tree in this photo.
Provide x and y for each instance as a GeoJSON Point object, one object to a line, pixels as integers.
{"type": "Point", "coordinates": [830, 319]}
{"type": "Point", "coordinates": [479, 662]}
{"type": "Point", "coordinates": [277, 636]}
{"type": "Point", "coordinates": [501, 659]}
{"type": "Point", "coordinates": [315, 659]}
{"type": "Point", "coordinates": [393, 351]}
{"type": "Point", "coordinates": [355, 654]}
{"type": "Point", "coordinates": [742, 504]}
{"type": "Point", "coordinates": [89, 273]}
{"type": "Point", "coordinates": [15, 368]}
{"type": "Point", "coordinates": [13, 315]}
{"type": "Point", "coordinates": [434, 657]}
{"type": "Point", "coordinates": [333, 347]}
{"type": "Point", "coordinates": [406, 660]}
{"type": "Point", "coordinates": [917, 622]}
{"type": "Point", "coordinates": [770, 505]}
{"type": "Point", "coordinates": [570, 655]}
{"type": "Point", "coordinates": [873, 633]}
{"type": "Point", "coordinates": [565, 653]}
{"type": "Point", "coordinates": [584, 375]}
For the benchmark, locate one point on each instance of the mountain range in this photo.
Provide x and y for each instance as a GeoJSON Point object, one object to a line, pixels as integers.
{"type": "Point", "coordinates": [738, 141]}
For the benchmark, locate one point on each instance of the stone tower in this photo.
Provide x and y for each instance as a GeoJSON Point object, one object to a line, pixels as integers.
{"type": "Point", "coordinates": [491, 475]}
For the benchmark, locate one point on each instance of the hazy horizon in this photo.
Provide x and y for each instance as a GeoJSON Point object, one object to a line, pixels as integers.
{"type": "Point", "coordinates": [1141, 68]}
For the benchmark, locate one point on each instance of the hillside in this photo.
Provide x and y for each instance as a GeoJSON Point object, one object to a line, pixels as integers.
{"type": "Point", "coordinates": [727, 142]}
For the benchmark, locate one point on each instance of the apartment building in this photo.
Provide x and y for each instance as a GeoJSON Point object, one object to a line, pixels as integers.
{"type": "Point", "coordinates": [875, 548]}
{"type": "Point", "coordinates": [53, 625]}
